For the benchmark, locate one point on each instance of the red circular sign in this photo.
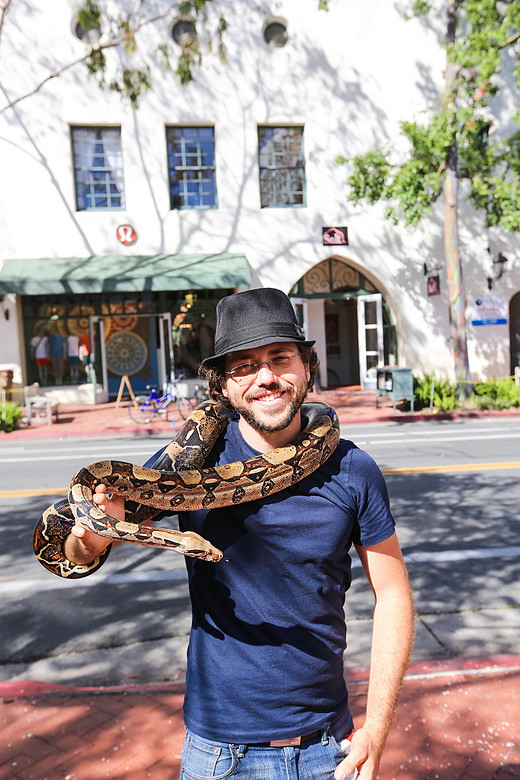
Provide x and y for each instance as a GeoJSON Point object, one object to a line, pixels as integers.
{"type": "Point", "coordinates": [126, 235]}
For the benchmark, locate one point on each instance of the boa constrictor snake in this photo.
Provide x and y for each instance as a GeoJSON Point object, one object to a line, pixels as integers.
{"type": "Point", "coordinates": [179, 482]}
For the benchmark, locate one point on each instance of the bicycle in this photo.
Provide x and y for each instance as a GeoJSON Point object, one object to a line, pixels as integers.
{"type": "Point", "coordinates": [200, 394]}
{"type": "Point", "coordinates": [144, 407]}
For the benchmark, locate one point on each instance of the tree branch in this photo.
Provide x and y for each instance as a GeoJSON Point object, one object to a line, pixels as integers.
{"type": "Point", "coordinates": [110, 45]}
{"type": "Point", "coordinates": [4, 5]}
{"type": "Point", "coordinates": [53, 76]}
{"type": "Point", "coordinates": [510, 40]}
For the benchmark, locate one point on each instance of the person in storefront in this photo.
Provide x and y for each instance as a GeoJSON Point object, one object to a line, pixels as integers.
{"type": "Point", "coordinates": [40, 354]}
{"type": "Point", "coordinates": [265, 690]}
{"type": "Point", "coordinates": [57, 354]}
{"type": "Point", "coordinates": [85, 356]}
{"type": "Point", "coordinates": [73, 357]}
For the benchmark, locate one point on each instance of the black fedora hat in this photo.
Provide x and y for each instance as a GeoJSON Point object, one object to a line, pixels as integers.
{"type": "Point", "coordinates": [255, 318]}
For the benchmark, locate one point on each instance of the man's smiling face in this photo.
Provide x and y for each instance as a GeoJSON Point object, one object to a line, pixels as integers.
{"type": "Point", "coordinates": [268, 399]}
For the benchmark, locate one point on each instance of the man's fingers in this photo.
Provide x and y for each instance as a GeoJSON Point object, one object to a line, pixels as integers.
{"type": "Point", "coordinates": [356, 760]}
{"type": "Point", "coordinates": [101, 495]}
{"type": "Point", "coordinates": [345, 770]}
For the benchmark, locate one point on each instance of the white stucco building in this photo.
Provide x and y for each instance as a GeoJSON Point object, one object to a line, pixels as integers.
{"type": "Point", "coordinates": [224, 184]}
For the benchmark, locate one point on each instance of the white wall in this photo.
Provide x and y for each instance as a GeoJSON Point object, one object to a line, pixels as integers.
{"type": "Point", "coordinates": [349, 75]}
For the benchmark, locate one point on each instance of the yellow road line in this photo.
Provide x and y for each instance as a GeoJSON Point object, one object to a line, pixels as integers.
{"type": "Point", "coordinates": [26, 492]}
{"type": "Point", "coordinates": [513, 464]}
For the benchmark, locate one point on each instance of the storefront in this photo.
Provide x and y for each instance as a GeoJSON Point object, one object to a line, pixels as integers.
{"type": "Point", "coordinates": [358, 333]}
{"type": "Point", "coordinates": [97, 319]}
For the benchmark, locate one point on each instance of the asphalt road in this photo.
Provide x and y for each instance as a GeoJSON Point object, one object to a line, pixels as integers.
{"type": "Point", "coordinates": [455, 494]}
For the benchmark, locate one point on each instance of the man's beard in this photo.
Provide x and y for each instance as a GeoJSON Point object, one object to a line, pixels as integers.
{"type": "Point", "coordinates": [276, 420]}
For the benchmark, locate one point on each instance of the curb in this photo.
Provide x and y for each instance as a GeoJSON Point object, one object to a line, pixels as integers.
{"type": "Point", "coordinates": [425, 416]}
{"type": "Point", "coordinates": [455, 667]}
{"type": "Point", "coordinates": [38, 689]}
{"type": "Point", "coordinates": [82, 433]}
{"type": "Point", "coordinates": [492, 664]}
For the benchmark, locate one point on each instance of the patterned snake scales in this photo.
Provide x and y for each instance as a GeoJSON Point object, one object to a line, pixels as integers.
{"type": "Point", "coordinates": [178, 482]}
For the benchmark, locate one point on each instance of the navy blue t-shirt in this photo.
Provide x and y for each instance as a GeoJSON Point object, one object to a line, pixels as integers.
{"type": "Point", "coordinates": [265, 658]}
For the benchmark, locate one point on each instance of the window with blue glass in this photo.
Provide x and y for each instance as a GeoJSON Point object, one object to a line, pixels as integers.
{"type": "Point", "coordinates": [282, 166]}
{"type": "Point", "coordinates": [98, 168]}
{"type": "Point", "coordinates": [191, 167]}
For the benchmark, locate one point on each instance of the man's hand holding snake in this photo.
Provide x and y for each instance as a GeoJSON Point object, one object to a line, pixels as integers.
{"type": "Point", "coordinates": [83, 546]}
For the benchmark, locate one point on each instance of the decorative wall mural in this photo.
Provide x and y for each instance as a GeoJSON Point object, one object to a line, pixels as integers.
{"type": "Point", "coordinates": [126, 353]}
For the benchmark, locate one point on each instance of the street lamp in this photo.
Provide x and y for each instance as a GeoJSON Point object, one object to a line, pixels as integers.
{"type": "Point", "coordinates": [499, 261]}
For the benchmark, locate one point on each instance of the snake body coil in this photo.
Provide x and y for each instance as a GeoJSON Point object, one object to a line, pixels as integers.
{"type": "Point", "coordinates": [178, 482]}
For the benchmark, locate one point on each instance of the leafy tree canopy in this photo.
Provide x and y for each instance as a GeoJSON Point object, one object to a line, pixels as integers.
{"type": "Point", "coordinates": [486, 45]}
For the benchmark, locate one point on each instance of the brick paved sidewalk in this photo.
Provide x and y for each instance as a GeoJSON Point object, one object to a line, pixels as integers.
{"type": "Point", "coordinates": [451, 723]}
{"type": "Point", "coordinates": [352, 405]}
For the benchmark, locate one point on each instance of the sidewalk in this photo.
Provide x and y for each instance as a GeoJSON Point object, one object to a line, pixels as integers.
{"type": "Point", "coordinates": [451, 723]}
{"type": "Point", "coordinates": [352, 405]}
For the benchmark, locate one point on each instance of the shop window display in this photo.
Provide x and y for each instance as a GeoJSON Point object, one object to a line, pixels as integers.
{"type": "Point", "coordinates": [193, 331]}
{"type": "Point", "coordinates": [58, 334]}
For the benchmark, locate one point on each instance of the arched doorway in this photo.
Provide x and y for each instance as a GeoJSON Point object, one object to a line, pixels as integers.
{"type": "Point", "coordinates": [350, 320]}
{"type": "Point", "coordinates": [514, 331]}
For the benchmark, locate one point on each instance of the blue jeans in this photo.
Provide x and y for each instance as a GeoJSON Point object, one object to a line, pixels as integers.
{"type": "Point", "coordinates": [315, 759]}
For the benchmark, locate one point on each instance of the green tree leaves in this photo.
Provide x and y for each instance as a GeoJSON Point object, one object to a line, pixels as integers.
{"type": "Point", "coordinates": [487, 29]}
{"type": "Point", "coordinates": [456, 140]}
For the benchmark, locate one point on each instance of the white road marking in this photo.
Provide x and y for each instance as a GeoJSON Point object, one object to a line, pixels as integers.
{"type": "Point", "coordinates": [87, 446]}
{"type": "Point", "coordinates": [443, 556]}
{"type": "Point", "coordinates": [179, 575]}
{"type": "Point", "coordinates": [58, 583]}
{"type": "Point", "coordinates": [403, 433]}
{"type": "Point", "coordinates": [83, 456]}
{"type": "Point", "coordinates": [406, 440]}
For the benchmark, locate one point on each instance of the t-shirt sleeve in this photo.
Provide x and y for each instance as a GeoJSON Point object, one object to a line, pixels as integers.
{"type": "Point", "coordinates": [154, 460]}
{"type": "Point", "coordinates": [375, 522]}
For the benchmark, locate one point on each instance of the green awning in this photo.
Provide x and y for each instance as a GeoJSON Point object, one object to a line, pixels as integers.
{"type": "Point", "coordinates": [124, 273]}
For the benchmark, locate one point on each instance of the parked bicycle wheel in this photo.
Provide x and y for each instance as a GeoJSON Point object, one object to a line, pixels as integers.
{"type": "Point", "coordinates": [185, 406]}
{"type": "Point", "coordinates": [142, 409]}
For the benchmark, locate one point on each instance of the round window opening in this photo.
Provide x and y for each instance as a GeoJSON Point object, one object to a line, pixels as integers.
{"type": "Point", "coordinates": [90, 35]}
{"type": "Point", "coordinates": [183, 31]}
{"type": "Point", "coordinates": [275, 33]}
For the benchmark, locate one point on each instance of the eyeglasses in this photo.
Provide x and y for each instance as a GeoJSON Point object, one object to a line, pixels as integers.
{"type": "Point", "coordinates": [276, 365]}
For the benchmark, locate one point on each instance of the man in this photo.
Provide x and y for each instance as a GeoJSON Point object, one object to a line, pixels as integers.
{"type": "Point", "coordinates": [265, 692]}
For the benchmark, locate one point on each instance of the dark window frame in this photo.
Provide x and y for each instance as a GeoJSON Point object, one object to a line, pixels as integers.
{"type": "Point", "coordinates": [192, 171]}
{"type": "Point", "coordinates": [281, 167]}
{"type": "Point", "coordinates": [99, 181]}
